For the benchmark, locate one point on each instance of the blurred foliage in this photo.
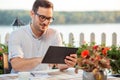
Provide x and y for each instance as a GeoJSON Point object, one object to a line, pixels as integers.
{"type": "Point", "coordinates": [87, 17]}
{"type": "Point", "coordinates": [3, 49]}
{"type": "Point", "coordinates": [114, 55]}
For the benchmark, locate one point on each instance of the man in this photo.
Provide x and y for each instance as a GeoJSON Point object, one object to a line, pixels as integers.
{"type": "Point", "coordinates": [28, 45]}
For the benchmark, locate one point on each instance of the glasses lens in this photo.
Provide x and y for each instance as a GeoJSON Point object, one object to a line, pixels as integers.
{"type": "Point", "coordinates": [43, 18]}
{"type": "Point", "coordinates": [50, 19]}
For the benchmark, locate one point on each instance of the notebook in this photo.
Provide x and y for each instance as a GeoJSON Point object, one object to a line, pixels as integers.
{"type": "Point", "coordinates": [57, 54]}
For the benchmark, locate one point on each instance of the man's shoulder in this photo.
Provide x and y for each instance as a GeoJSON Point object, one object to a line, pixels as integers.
{"type": "Point", "coordinates": [53, 30]}
{"type": "Point", "coordinates": [21, 30]}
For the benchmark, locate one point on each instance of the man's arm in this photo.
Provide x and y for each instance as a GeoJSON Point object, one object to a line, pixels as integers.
{"type": "Point", "coordinates": [21, 64]}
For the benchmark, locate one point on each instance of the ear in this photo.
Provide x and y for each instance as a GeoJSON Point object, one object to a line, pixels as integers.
{"type": "Point", "coordinates": [32, 14]}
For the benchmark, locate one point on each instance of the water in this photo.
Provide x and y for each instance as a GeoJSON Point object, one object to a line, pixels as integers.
{"type": "Point", "coordinates": [87, 29]}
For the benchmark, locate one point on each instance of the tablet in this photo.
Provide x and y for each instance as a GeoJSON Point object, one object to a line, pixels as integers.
{"type": "Point", "coordinates": [57, 54]}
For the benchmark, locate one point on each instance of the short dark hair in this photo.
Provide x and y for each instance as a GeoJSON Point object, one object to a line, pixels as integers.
{"type": "Point", "coordinates": [41, 3]}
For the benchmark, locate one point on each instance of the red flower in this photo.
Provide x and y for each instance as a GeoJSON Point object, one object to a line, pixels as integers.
{"type": "Point", "coordinates": [104, 51]}
{"type": "Point", "coordinates": [93, 57]}
{"type": "Point", "coordinates": [95, 47]}
{"type": "Point", "coordinates": [97, 58]}
{"type": "Point", "coordinates": [85, 53]}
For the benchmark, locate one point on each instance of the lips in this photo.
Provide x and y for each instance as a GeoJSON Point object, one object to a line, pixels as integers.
{"type": "Point", "coordinates": [43, 27]}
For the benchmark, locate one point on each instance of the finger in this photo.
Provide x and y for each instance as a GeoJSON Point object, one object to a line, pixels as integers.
{"type": "Point", "coordinates": [73, 55]}
{"type": "Point", "coordinates": [70, 63]}
{"type": "Point", "coordinates": [73, 59]}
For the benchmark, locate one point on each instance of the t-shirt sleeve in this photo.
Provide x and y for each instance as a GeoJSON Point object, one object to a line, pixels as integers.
{"type": "Point", "coordinates": [14, 46]}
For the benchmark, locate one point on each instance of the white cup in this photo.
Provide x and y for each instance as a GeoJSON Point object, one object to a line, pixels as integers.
{"type": "Point", "coordinates": [23, 75]}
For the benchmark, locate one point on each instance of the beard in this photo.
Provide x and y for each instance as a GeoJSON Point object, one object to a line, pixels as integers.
{"type": "Point", "coordinates": [43, 27]}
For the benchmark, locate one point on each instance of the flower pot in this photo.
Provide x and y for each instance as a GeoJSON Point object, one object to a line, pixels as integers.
{"type": "Point", "coordinates": [100, 75]}
{"type": "Point", "coordinates": [88, 76]}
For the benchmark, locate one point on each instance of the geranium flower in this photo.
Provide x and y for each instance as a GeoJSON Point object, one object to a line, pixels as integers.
{"type": "Point", "coordinates": [104, 51]}
{"type": "Point", "coordinates": [92, 56]}
{"type": "Point", "coordinates": [84, 53]}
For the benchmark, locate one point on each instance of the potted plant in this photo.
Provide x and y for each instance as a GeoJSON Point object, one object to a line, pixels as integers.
{"type": "Point", "coordinates": [93, 59]}
{"type": "Point", "coordinates": [3, 50]}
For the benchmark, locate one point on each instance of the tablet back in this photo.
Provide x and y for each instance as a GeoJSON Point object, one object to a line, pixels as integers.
{"type": "Point", "coordinates": [57, 54]}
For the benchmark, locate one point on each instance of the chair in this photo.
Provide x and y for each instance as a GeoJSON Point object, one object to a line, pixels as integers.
{"type": "Point", "coordinates": [6, 65]}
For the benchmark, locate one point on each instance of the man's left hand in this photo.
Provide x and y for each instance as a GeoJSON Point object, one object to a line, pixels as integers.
{"type": "Point", "coordinates": [71, 60]}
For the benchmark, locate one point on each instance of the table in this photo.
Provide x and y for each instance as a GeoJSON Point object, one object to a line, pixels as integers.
{"type": "Point", "coordinates": [55, 74]}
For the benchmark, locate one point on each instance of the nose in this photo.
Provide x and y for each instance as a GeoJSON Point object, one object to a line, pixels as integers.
{"type": "Point", "coordinates": [46, 22]}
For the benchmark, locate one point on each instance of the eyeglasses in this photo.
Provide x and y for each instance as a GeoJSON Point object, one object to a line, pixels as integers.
{"type": "Point", "coordinates": [43, 18]}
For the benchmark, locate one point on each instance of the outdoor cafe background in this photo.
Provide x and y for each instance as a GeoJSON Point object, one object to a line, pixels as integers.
{"type": "Point", "coordinates": [79, 16]}
{"type": "Point", "coordinates": [76, 16]}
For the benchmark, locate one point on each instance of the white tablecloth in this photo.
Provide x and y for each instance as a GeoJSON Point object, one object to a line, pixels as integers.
{"type": "Point", "coordinates": [55, 74]}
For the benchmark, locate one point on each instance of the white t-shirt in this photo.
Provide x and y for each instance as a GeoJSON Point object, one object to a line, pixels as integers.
{"type": "Point", "coordinates": [22, 43]}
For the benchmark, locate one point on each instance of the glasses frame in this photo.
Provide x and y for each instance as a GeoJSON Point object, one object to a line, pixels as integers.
{"type": "Point", "coordinates": [43, 18]}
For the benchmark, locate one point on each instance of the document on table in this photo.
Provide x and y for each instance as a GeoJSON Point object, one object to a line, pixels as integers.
{"type": "Point", "coordinates": [39, 74]}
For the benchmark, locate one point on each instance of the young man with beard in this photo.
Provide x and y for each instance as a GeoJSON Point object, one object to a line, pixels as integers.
{"type": "Point", "coordinates": [28, 44]}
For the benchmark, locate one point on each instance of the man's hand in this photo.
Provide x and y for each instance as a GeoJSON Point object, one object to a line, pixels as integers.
{"type": "Point", "coordinates": [71, 60]}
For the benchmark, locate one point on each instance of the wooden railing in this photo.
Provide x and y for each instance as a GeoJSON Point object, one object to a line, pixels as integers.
{"type": "Point", "coordinates": [92, 38]}
{"type": "Point", "coordinates": [6, 38]}
{"type": "Point", "coordinates": [81, 38]}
